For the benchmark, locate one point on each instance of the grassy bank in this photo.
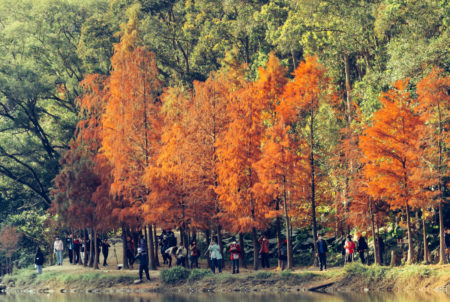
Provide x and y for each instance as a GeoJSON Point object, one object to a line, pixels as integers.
{"type": "Point", "coordinates": [353, 277]}
{"type": "Point", "coordinates": [26, 278]}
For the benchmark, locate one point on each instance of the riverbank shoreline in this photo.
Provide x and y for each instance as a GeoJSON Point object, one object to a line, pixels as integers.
{"type": "Point", "coordinates": [352, 278]}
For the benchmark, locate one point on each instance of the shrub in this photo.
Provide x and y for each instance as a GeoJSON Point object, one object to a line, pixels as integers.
{"type": "Point", "coordinates": [263, 275]}
{"type": "Point", "coordinates": [286, 273]}
{"type": "Point", "coordinates": [175, 274]}
{"type": "Point", "coordinates": [198, 274]}
{"type": "Point", "coordinates": [355, 269]}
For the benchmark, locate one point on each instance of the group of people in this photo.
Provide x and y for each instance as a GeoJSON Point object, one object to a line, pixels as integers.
{"type": "Point", "coordinates": [170, 249]}
{"type": "Point", "coordinates": [77, 249]}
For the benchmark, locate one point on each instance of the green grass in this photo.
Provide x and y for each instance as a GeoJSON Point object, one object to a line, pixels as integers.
{"type": "Point", "coordinates": [174, 275]}
{"type": "Point", "coordinates": [25, 277]}
{"type": "Point", "coordinates": [198, 274]}
{"type": "Point", "coordinates": [263, 275]}
{"type": "Point", "coordinates": [377, 273]}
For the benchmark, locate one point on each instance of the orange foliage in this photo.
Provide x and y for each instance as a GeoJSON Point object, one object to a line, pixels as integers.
{"type": "Point", "coordinates": [130, 121]}
{"type": "Point", "coordinates": [240, 148]}
{"type": "Point", "coordinates": [433, 109]}
{"type": "Point", "coordinates": [391, 155]}
{"type": "Point", "coordinates": [389, 148]}
{"type": "Point", "coordinates": [9, 238]}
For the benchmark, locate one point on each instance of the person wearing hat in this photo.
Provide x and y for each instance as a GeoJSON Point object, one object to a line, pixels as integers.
{"type": "Point", "coordinates": [349, 248]}
{"type": "Point", "coordinates": [235, 252]}
{"type": "Point", "coordinates": [215, 255]}
{"type": "Point", "coordinates": [322, 251]}
{"type": "Point", "coordinates": [58, 248]}
{"type": "Point", "coordinates": [143, 263]}
{"type": "Point", "coordinates": [181, 255]}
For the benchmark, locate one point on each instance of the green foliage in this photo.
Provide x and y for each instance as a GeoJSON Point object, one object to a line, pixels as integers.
{"type": "Point", "coordinates": [286, 273]}
{"type": "Point", "coordinates": [263, 275]}
{"type": "Point", "coordinates": [29, 277]}
{"type": "Point", "coordinates": [175, 274]}
{"type": "Point", "coordinates": [198, 274]}
{"type": "Point", "coordinates": [372, 273]}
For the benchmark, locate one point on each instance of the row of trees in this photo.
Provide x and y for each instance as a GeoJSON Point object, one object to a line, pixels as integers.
{"type": "Point", "coordinates": [235, 154]}
{"type": "Point", "coordinates": [50, 46]}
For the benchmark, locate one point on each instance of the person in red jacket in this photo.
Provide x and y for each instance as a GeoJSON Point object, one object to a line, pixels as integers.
{"type": "Point", "coordinates": [349, 248]}
{"type": "Point", "coordinates": [235, 252]}
{"type": "Point", "coordinates": [264, 251]}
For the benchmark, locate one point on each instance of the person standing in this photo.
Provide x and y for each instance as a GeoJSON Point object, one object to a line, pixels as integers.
{"type": "Point", "coordinates": [215, 256]}
{"type": "Point", "coordinates": [235, 252]}
{"type": "Point", "coordinates": [99, 246]}
{"type": "Point", "coordinates": [264, 251]}
{"type": "Point", "coordinates": [105, 251]}
{"type": "Point", "coordinates": [362, 247]}
{"type": "Point", "coordinates": [39, 260]}
{"type": "Point", "coordinates": [87, 249]}
{"type": "Point", "coordinates": [194, 254]}
{"type": "Point", "coordinates": [322, 250]}
{"type": "Point", "coordinates": [381, 245]}
{"type": "Point", "coordinates": [76, 249]}
{"type": "Point", "coordinates": [181, 255]}
{"type": "Point", "coordinates": [164, 247]}
{"type": "Point", "coordinates": [343, 250]}
{"type": "Point", "coordinates": [69, 244]}
{"type": "Point", "coordinates": [349, 248]}
{"type": "Point", "coordinates": [143, 263]}
{"type": "Point", "coordinates": [130, 251]}
{"type": "Point", "coordinates": [169, 252]}
{"type": "Point", "coordinates": [283, 255]}
{"type": "Point", "coordinates": [58, 248]}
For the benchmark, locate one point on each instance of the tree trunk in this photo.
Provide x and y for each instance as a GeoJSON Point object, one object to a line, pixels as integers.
{"type": "Point", "coordinates": [86, 256]}
{"type": "Point", "coordinates": [426, 253]}
{"type": "Point", "coordinates": [151, 248]}
{"type": "Point", "coordinates": [243, 259]}
{"type": "Point", "coordinates": [376, 246]}
{"type": "Point", "coordinates": [393, 258]}
{"type": "Point", "coordinates": [290, 258]}
{"type": "Point", "coordinates": [442, 258]}
{"type": "Point", "coordinates": [124, 247]}
{"type": "Point", "coordinates": [348, 89]}
{"type": "Point", "coordinates": [219, 238]}
{"type": "Point", "coordinates": [410, 243]}
{"type": "Point", "coordinates": [279, 240]}
{"type": "Point", "coordinates": [92, 251]}
{"type": "Point", "coordinates": [313, 190]}
{"type": "Point", "coordinates": [97, 250]}
{"type": "Point", "coordinates": [156, 246]}
{"type": "Point", "coordinates": [208, 241]}
{"type": "Point", "coordinates": [255, 249]}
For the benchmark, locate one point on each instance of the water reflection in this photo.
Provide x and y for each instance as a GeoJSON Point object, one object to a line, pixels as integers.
{"type": "Point", "coordinates": [261, 297]}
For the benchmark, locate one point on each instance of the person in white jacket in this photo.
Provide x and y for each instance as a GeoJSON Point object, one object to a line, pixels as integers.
{"type": "Point", "coordinates": [58, 248]}
{"type": "Point", "coordinates": [215, 256]}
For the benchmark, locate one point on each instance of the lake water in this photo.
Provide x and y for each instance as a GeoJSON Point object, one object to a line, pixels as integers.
{"type": "Point", "coordinates": [242, 297]}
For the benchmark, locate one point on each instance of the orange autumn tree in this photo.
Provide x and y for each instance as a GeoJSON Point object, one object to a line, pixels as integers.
{"type": "Point", "coordinates": [207, 119]}
{"type": "Point", "coordinates": [390, 154]}
{"type": "Point", "coordinates": [281, 174]}
{"type": "Point", "coordinates": [79, 195]}
{"type": "Point", "coordinates": [238, 151]}
{"type": "Point", "coordinates": [433, 108]}
{"type": "Point", "coordinates": [168, 175]}
{"type": "Point", "coordinates": [129, 124]}
{"type": "Point", "coordinates": [303, 98]}
{"type": "Point", "coordinates": [277, 168]}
